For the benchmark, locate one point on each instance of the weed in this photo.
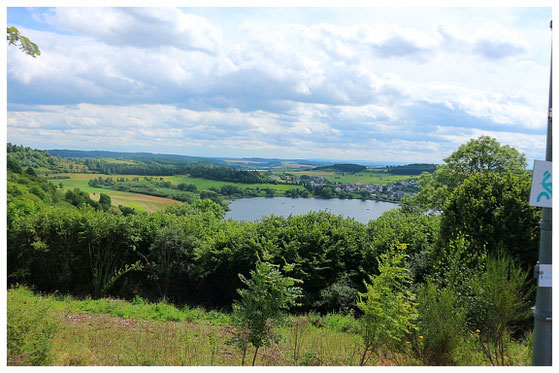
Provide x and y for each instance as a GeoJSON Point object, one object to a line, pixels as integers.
{"type": "Point", "coordinates": [30, 329]}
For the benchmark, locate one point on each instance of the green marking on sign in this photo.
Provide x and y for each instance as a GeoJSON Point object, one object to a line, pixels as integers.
{"type": "Point", "coordinates": [547, 186]}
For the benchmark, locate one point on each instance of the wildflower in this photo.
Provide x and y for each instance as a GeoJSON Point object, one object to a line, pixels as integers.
{"type": "Point", "coordinates": [478, 331]}
{"type": "Point", "coordinates": [407, 342]}
{"type": "Point", "coordinates": [420, 337]}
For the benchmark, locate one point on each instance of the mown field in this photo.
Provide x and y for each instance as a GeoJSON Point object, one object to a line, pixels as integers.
{"type": "Point", "coordinates": [141, 202]}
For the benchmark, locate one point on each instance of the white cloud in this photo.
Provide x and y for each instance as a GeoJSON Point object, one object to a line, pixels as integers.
{"type": "Point", "coordinates": [492, 41]}
{"type": "Point", "coordinates": [531, 145]}
{"type": "Point", "coordinates": [503, 108]}
{"type": "Point", "coordinates": [140, 27]}
{"type": "Point", "coordinates": [133, 74]}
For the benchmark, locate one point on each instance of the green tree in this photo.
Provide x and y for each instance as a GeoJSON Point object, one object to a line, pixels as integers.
{"type": "Point", "coordinates": [325, 249]}
{"type": "Point", "coordinates": [493, 211]}
{"type": "Point", "coordinates": [108, 239]}
{"type": "Point", "coordinates": [267, 295]}
{"type": "Point", "coordinates": [105, 201]}
{"type": "Point", "coordinates": [13, 165]}
{"type": "Point", "coordinates": [27, 46]}
{"type": "Point", "coordinates": [418, 231]}
{"type": "Point", "coordinates": [388, 306]}
{"type": "Point", "coordinates": [481, 155]}
{"type": "Point", "coordinates": [484, 154]}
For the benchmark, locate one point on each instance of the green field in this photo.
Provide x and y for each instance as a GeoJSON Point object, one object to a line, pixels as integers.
{"type": "Point", "coordinates": [205, 184]}
{"type": "Point", "coordinates": [152, 203]}
{"type": "Point", "coordinates": [380, 177]}
{"type": "Point", "coordinates": [140, 202]}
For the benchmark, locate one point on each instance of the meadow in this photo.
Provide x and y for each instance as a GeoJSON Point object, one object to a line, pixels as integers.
{"type": "Point", "coordinates": [375, 176]}
{"type": "Point", "coordinates": [63, 330]}
{"type": "Point", "coordinates": [137, 201]}
{"type": "Point", "coordinates": [205, 184]}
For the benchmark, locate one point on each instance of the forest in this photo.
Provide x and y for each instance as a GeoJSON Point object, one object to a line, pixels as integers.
{"type": "Point", "coordinates": [448, 270]}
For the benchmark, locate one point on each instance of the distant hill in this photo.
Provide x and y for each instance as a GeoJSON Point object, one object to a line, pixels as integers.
{"type": "Point", "coordinates": [342, 167]}
{"type": "Point", "coordinates": [240, 163]}
{"type": "Point", "coordinates": [245, 163]}
{"type": "Point", "coordinates": [141, 156]}
{"type": "Point", "coordinates": [412, 169]}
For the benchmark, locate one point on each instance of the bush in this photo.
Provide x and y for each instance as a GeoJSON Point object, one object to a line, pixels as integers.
{"type": "Point", "coordinates": [441, 325]}
{"type": "Point", "coordinates": [500, 300]}
{"type": "Point", "coordinates": [30, 329]}
{"type": "Point", "coordinates": [267, 296]}
{"type": "Point", "coordinates": [389, 310]}
{"type": "Point", "coordinates": [341, 296]}
{"type": "Point", "coordinates": [341, 323]}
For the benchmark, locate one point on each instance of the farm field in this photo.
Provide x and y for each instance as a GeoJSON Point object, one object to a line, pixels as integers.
{"type": "Point", "coordinates": [81, 181]}
{"type": "Point", "coordinates": [141, 202]}
{"type": "Point", "coordinates": [204, 184]}
{"type": "Point", "coordinates": [365, 177]}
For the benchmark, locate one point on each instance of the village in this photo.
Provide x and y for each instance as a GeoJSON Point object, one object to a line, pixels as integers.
{"type": "Point", "coordinates": [322, 187]}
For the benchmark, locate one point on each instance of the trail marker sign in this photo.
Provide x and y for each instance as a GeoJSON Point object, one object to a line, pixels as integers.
{"type": "Point", "coordinates": [541, 192]}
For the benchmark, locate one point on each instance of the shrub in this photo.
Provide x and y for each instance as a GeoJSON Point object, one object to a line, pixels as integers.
{"type": "Point", "coordinates": [267, 295]}
{"type": "Point", "coordinates": [441, 325]}
{"type": "Point", "coordinates": [388, 306]}
{"type": "Point", "coordinates": [341, 323]}
{"type": "Point", "coordinates": [341, 296]}
{"type": "Point", "coordinates": [501, 294]}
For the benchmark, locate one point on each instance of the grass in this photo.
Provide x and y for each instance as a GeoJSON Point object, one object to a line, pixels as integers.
{"type": "Point", "coordinates": [138, 201]}
{"type": "Point", "coordinates": [110, 332]}
{"type": "Point", "coordinates": [116, 332]}
{"type": "Point", "coordinates": [365, 177]}
{"type": "Point", "coordinates": [205, 184]}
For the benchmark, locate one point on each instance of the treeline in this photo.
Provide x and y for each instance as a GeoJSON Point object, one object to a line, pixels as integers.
{"type": "Point", "coordinates": [28, 157]}
{"type": "Point", "coordinates": [343, 167]}
{"type": "Point", "coordinates": [153, 168]}
{"type": "Point", "coordinates": [147, 185]}
{"type": "Point", "coordinates": [79, 198]}
{"type": "Point", "coordinates": [149, 168]}
{"type": "Point", "coordinates": [228, 174]}
{"type": "Point", "coordinates": [412, 169]}
{"type": "Point", "coordinates": [142, 156]}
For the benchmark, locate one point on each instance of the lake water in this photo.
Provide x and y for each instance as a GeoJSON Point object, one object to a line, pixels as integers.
{"type": "Point", "coordinates": [252, 209]}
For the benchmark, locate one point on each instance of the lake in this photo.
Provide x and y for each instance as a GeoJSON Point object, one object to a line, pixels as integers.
{"type": "Point", "coordinates": [252, 209]}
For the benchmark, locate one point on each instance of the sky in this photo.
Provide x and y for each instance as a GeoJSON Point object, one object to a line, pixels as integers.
{"type": "Point", "coordinates": [381, 84]}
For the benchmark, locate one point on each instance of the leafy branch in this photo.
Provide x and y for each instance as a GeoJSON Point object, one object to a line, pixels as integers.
{"type": "Point", "coordinates": [25, 45]}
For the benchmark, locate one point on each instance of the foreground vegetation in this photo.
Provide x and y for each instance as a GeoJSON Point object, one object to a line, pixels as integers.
{"type": "Point", "coordinates": [56, 330]}
{"type": "Point", "coordinates": [444, 280]}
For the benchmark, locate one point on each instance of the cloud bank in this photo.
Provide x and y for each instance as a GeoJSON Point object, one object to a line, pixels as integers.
{"type": "Point", "coordinates": [171, 80]}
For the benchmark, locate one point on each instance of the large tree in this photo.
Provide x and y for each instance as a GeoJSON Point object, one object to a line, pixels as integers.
{"type": "Point", "coordinates": [493, 212]}
{"type": "Point", "coordinates": [481, 155]}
